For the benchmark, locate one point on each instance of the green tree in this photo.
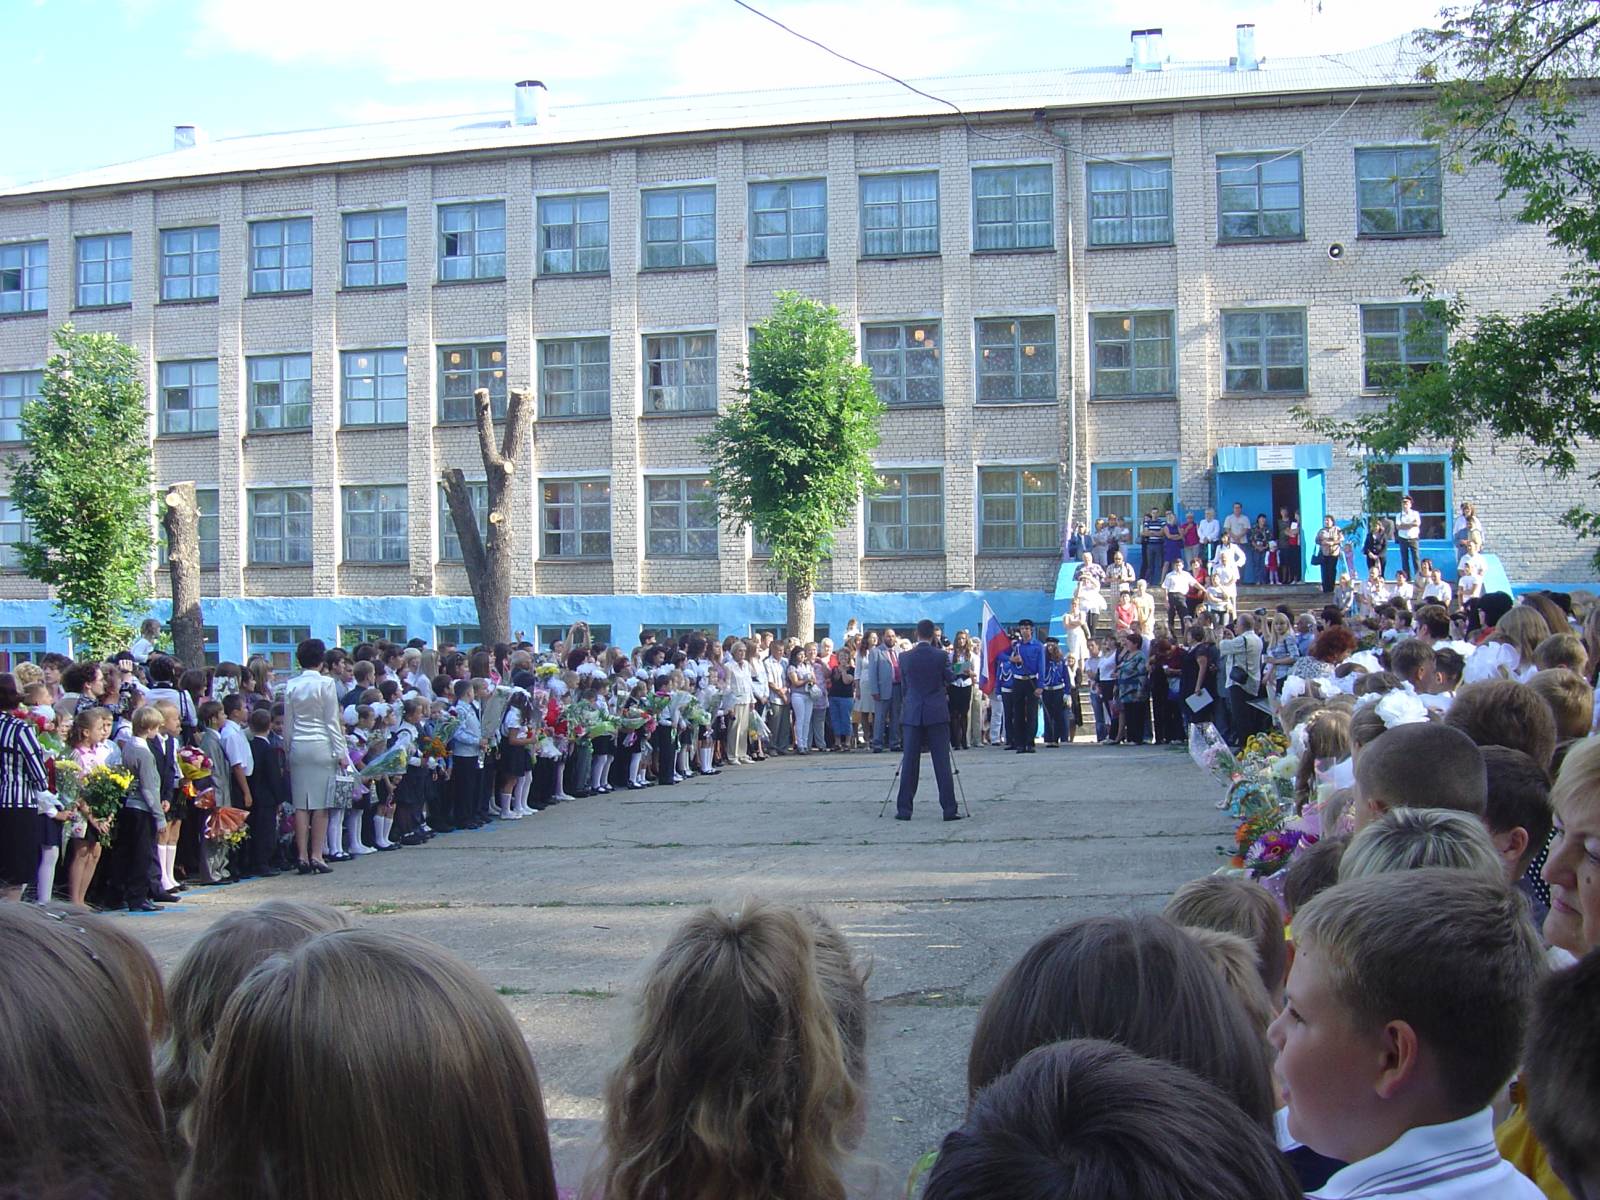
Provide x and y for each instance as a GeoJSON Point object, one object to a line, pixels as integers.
{"type": "Point", "coordinates": [1527, 381]}
{"type": "Point", "coordinates": [792, 455]}
{"type": "Point", "coordinates": [84, 487]}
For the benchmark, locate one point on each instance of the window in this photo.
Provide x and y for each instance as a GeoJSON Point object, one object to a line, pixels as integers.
{"type": "Point", "coordinates": [188, 397]}
{"type": "Point", "coordinates": [189, 263]}
{"type": "Point", "coordinates": [788, 221]}
{"type": "Point", "coordinates": [680, 227]}
{"type": "Point", "coordinates": [1017, 509]}
{"type": "Point", "coordinates": [13, 533]}
{"type": "Point", "coordinates": [20, 646]}
{"type": "Point", "coordinates": [464, 369]}
{"type": "Point", "coordinates": [24, 277]}
{"type": "Point", "coordinates": [900, 214]}
{"type": "Point", "coordinates": [575, 234]}
{"type": "Point", "coordinates": [780, 632]}
{"type": "Point", "coordinates": [374, 387]}
{"type": "Point", "coordinates": [668, 635]}
{"type": "Point", "coordinates": [449, 540]}
{"type": "Point", "coordinates": [1133, 354]}
{"type": "Point", "coordinates": [575, 377]}
{"type": "Point", "coordinates": [681, 372]}
{"type": "Point", "coordinates": [904, 360]}
{"type": "Point", "coordinates": [1011, 208]}
{"type": "Point", "coordinates": [577, 519]}
{"type": "Point", "coordinates": [472, 240]}
{"type": "Point", "coordinates": [1258, 197]}
{"type": "Point", "coordinates": [375, 525]}
{"type": "Point", "coordinates": [1130, 204]}
{"type": "Point", "coordinates": [549, 635]}
{"type": "Point", "coordinates": [211, 642]}
{"type": "Point", "coordinates": [1130, 489]}
{"type": "Point", "coordinates": [208, 531]}
{"type": "Point", "coordinates": [280, 256]}
{"type": "Point", "coordinates": [277, 644]}
{"type": "Point", "coordinates": [280, 391]}
{"type": "Point", "coordinates": [1016, 360]}
{"type": "Point", "coordinates": [906, 513]}
{"type": "Point", "coordinates": [459, 636]}
{"type": "Point", "coordinates": [1264, 350]}
{"type": "Point", "coordinates": [105, 270]}
{"type": "Point", "coordinates": [17, 389]}
{"type": "Point", "coordinates": [374, 248]}
{"type": "Point", "coordinates": [1397, 340]}
{"type": "Point", "coordinates": [280, 527]}
{"type": "Point", "coordinates": [1398, 191]}
{"type": "Point", "coordinates": [351, 636]}
{"type": "Point", "coordinates": [681, 521]}
{"type": "Point", "coordinates": [1426, 481]}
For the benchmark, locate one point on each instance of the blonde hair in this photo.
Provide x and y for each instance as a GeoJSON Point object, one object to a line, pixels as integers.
{"type": "Point", "coordinates": [147, 719]}
{"type": "Point", "coordinates": [1578, 781]}
{"type": "Point", "coordinates": [1327, 736]}
{"type": "Point", "coordinates": [1235, 962]}
{"type": "Point", "coordinates": [1571, 700]}
{"type": "Point", "coordinates": [27, 674]}
{"type": "Point", "coordinates": [737, 1084]}
{"type": "Point", "coordinates": [1404, 839]}
{"type": "Point", "coordinates": [1522, 628]}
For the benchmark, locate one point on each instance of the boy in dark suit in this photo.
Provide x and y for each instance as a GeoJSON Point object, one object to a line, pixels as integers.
{"type": "Point", "coordinates": [925, 720]}
{"type": "Point", "coordinates": [267, 790]}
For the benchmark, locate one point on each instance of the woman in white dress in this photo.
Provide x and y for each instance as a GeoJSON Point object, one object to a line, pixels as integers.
{"type": "Point", "coordinates": [313, 736]}
{"type": "Point", "coordinates": [866, 707]}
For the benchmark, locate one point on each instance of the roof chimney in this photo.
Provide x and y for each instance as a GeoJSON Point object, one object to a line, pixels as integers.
{"type": "Point", "coordinates": [533, 103]}
{"type": "Point", "coordinates": [1246, 59]}
{"type": "Point", "coordinates": [1147, 50]}
{"type": "Point", "coordinates": [186, 136]}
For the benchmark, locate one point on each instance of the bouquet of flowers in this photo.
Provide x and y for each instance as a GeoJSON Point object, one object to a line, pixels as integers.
{"type": "Point", "coordinates": [1211, 754]}
{"type": "Point", "coordinates": [432, 747]}
{"type": "Point", "coordinates": [546, 747]}
{"type": "Point", "coordinates": [629, 721]}
{"type": "Point", "coordinates": [547, 670]}
{"type": "Point", "coordinates": [391, 762]}
{"type": "Point", "coordinates": [604, 726]}
{"type": "Point", "coordinates": [697, 714]}
{"type": "Point", "coordinates": [67, 784]}
{"type": "Point", "coordinates": [445, 730]}
{"type": "Point", "coordinates": [103, 791]}
{"type": "Point", "coordinates": [228, 825]}
{"type": "Point", "coordinates": [656, 703]}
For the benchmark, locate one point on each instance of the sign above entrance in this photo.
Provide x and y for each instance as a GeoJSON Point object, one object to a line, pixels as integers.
{"type": "Point", "coordinates": [1274, 458]}
{"type": "Point", "coordinates": [1310, 457]}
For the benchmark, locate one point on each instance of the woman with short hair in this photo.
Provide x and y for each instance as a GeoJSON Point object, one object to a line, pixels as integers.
{"type": "Point", "coordinates": [313, 736]}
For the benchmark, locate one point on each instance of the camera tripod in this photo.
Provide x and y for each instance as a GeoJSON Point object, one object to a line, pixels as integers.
{"type": "Point", "coordinates": [961, 788]}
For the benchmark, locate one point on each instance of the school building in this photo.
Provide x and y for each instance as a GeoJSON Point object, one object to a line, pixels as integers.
{"type": "Point", "coordinates": [1101, 290]}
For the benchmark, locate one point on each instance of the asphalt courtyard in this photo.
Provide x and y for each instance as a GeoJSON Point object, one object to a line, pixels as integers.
{"type": "Point", "coordinates": [562, 911]}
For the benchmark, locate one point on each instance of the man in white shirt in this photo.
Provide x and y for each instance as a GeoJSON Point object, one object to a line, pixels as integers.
{"type": "Point", "coordinates": [1236, 524]}
{"type": "Point", "coordinates": [1176, 583]}
{"type": "Point", "coordinates": [1243, 651]}
{"type": "Point", "coordinates": [236, 748]}
{"type": "Point", "coordinates": [1210, 530]}
{"type": "Point", "coordinates": [1408, 531]}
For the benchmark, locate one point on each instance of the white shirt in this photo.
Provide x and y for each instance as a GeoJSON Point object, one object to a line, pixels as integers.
{"type": "Point", "coordinates": [1209, 529]}
{"type": "Point", "coordinates": [236, 745]}
{"type": "Point", "coordinates": [1180, 581]}
{"type": "Point", "coordinates": [1454, 1161]}
{"type": "Point", "coordinates": [1438, 591]}
{"type": "Point", "coordinates": [741, 688]}
{"type": "Point", "coordinates": [1408, 525]}
{"type": "Point", "coordinates": [1237, 524]}
{"type": "Point", "coordinates": [1232, 555]}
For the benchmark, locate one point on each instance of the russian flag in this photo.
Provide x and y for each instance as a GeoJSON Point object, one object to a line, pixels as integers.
{"type": "Point", "coordinates": [995, 643]}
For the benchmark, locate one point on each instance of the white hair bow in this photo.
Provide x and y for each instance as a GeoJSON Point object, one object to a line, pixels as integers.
{"type": "Point", "coordinates": [1401, 708]}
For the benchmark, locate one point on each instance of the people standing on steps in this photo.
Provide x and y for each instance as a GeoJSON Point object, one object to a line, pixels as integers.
{"type": "Point", "coordinates": [925, 721]}
{"type": "Point", "coordinates": [1407, 535]}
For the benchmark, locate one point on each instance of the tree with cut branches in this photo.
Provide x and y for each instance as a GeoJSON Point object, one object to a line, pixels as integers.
{"type": "Point", "coordinates": [791, 456]}
{"type": "Point", "coordinates": [180, 519]}
{"type": "Point", "coordinates": [487, 555]}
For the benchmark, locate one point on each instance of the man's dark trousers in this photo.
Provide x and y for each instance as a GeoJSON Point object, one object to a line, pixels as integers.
{"type": "Point", "coordinates": [1008, 704]}
{"type": "Point", "coordinates": [937, 740]}
{"type": "Point", "coordinates": [1025, 701]}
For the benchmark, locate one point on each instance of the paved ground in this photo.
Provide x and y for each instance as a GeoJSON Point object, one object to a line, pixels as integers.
{"type": "Point", "coordinates": [561, 911]}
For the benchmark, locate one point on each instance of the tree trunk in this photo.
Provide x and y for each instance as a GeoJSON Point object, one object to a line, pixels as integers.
{"type": "Point", "coordinates": [488, 557]}
{"type": "Point", "coordinates": [182, 523]}
{"type": "Point", "coordinates": [802, 615]}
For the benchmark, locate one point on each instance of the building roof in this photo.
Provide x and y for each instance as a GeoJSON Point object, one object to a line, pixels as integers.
{"type": "Point", "coordinates": [1388, 65]}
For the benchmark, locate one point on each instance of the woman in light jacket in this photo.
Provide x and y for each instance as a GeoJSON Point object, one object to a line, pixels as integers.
{"type": "Point", "coordinates": [313, 736]}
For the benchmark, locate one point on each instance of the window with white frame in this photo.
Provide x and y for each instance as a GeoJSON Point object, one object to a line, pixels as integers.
{"type": "Point", "coordinates": [22, 645]}
{"type": "Point", "coordinates": [280, 256]}
{"type": "Point", "coordinates": [1130, 203]}
{"type": "Point", "coordinates": [1011, 208]}
{"type": "Point", "coordinates": [280, 526]}
{"type": "Point", "coordinates": [1016, 360]}
{"type": "Point", "coordinates": [105, 270]}
{"type": "Point", "coordinates": [459, 636]}
{"type": "Point", "coordinates": [351, 636]}
{"type": "Point", "coordinates": [373, 386]}
{"type": "Point", "coordinates": [14, 532]}
{"type": "Point", "coordinates": [680, 227]}
{"type": "Point", "coordinates": [278, 644]}
{"type": "Point", "coordinates": [904, 361]}
{"type": "Point", "coordinates": [188, 394]}
{"type": "Point", "coordinates": [1017, 509]}
{"type": "Point", "coordinates": [375, 525]}
{"type": "Point", "coordinates": [900, 214]}
{"type": "Point", "coordinates": [18, 389]}
{"type": "Point", "coordinates": [680, 518]}
{"type": "Point", "coordinates": [1259, 197]}
{"type": "Point", "coordinates": [189, 263]}
{"type": "Point", "coordinates": [788, 221]}
{"type": "Point", "coordinates": [1398, 340]}
{"type": "Point", "coordinates": [449, 539]}
{"type": "Point", "coordinates": [208, 530]}
{"type": "Point", "coordinates": [681, 372]}
{"type": "Point", "coordinates": [576, 518]}
{"type": "Point", "coordinates": [463, 370]}
{"type": "Point", "coordinates": [905, 514]}
{"type": "Point", "coordinates": [1133, 354]}
{"type": "Point", "coordinates": [575, 234]}
{"type": "Point", "coordinates": [1398, 191]}
{"type": "Point", "coordinates": [375, 248]}
{"type": "Point", "coordinates": [1264, 350]}
{"type": "Point", "coordinates": [24, 277]}
{"type": "Point", "coordinates": [575, 377]}
{"type": "Point", "coordinates": [280, 391]}
{"type": "Point", "coordinates": [472, 240]}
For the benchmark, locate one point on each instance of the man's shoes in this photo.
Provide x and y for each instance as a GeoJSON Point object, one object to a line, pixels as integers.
{"type": "Point", "coordinates": [164, 897]}
{"type": "Point", "coordinates": [144, 906]}
{"type": "Point", "coordinates": [877, 749]}
{"type": "Point", "coordinates": [954, 817]}
{"type": "Point", "coordinates": [902, 816]}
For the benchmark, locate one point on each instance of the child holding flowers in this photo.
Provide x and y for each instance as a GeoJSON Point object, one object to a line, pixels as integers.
{"type": "Point", "coordinates": [86, 833]}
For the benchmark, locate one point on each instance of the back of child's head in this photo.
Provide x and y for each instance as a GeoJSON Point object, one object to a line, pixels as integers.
{"type": "Point", "coordinates": [1412, 660]}
{"type": "Point", "coordinates": [462, 690]}
{"type": "Point", "coordinates": [232, 705]}
{"type": "Point", "coordinates": [1240, 907]}
{"type": "Point", "coordinates": [1404, 839]}
{"type": "Point", "coordinates": [844, 985]}
{"type": "Point", "coordinates": [1421, 765]}
{"type": "Point", "coordinates": [1451, 953]}
{"type": "Point", "coordinates": [1091, 1120]}
{"type": "Point", "coordinates": [1448, 666]}
{"type": "Point", "coordinates": [363, 672]}
{"type": "Point", "coordinates": [1138, 981]}
{"type": "Point", "coordinates": [1312, 871]}
{"type": "Point", "coordinates": [260, 720]}
{"type": "Point", "coordinates": [1379, 682]}
{"type": "Point", "coordinates": [1519, 799]}
{"type": "Point", "coordinates": [1297, 712]}
{"type": "Point", "coordinates": [358, 1022]}
{"type": "Point", "coordinates": [208, 712]}
{"type": "Point", "coordinates": [1366, 727]}
{"type": "Point", "coordinates": [1562, 1073]}
{"type": "Point", "coordinates": [1503, 712]}
{"type": "Point", "coordinates": [1561, 650]}
{"type": "Point", "coordinates": [1238, 966]}
{"type": "Point", "coordinates": [1570, 698]}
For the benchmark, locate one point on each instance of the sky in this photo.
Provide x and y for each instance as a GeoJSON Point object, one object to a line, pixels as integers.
{"type": "Point", "coordinates": [107, 79]}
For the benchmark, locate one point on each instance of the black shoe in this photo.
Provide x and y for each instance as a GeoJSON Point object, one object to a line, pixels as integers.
{"type": "Point", "coordinates": [269, 872]}
{"type": "Point", "coordinates": [143, 906]}
{"type": "Point", "coordinates": [164, 897]}
{"type": "Point", "coordinates": [954, 817]}
{"type": "Point", "coordinates": [321, 868]}
{"type": "Point", "coordinates": [902, 816]}
{"type": "Point", "coordinates": [412, 839]}
{"type": "Point", "coordinates": [390, 846]}
{"type": "Point", "coordinates": [302, 868]}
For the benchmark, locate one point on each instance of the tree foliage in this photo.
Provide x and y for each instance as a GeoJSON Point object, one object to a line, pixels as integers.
{"type": "Point", "coordinates": [792, 455]}
{"type": "Point", "coordinates": [84, 487]}
{"type": "Point", "coordinates": [1529, 381]}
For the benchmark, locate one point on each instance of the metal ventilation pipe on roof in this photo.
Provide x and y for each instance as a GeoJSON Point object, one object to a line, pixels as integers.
{"type": "Point", "coordinates": [533, 103]}
{"type": "Point", "coordinates": [186, 136]}
{"type": "Point", "coordinates": [1147, 50]}
{"type": "Point", "coordinates": [1246, 59]}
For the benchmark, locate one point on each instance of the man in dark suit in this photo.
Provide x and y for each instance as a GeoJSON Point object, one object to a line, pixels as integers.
{"type": "Point", "coordinates": [925, 720]}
